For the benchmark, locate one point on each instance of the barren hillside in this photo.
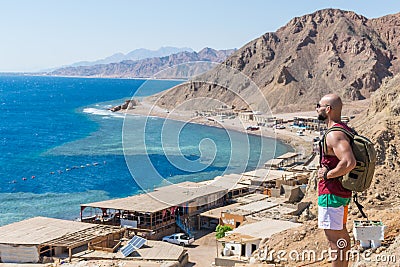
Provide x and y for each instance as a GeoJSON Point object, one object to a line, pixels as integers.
{"type": "Point", "coordinates": [329, 50]}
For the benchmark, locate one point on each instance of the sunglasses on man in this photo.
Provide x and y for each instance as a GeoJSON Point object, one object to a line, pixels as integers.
{"type": "Point", "coordinates": [327, 105]}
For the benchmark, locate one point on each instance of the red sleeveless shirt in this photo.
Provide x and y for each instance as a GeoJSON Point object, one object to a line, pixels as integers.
{"type": "Point", "coordinates": [333, 185]}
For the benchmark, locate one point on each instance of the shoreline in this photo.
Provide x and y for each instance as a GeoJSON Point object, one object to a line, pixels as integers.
{"type": "Point", "coordinates": [300, 144]}
{"type": "Point", "coordinates": [22, 74]}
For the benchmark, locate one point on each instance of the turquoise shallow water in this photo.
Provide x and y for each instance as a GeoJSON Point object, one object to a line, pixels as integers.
{"type": "Point", "coordinates": [60, 147]}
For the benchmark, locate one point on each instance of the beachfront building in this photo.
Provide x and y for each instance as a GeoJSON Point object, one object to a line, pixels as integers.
{"type": "Point", "coordinates": [31, 240]}
{"type": "Point", "coordinates": [264, 178]}
{"type": "Point", "coordinates": [211, 218]}
{"type": "Point", "coordinates": [225, 112]}
{"type": "Point", "coordinates": [237, 216]}
{"type": "Point", "coordinates": [246, 115]}
{"type": "Point", "coordinates": [312, 123]}
{"type": "Point", "coordinates": [285, 160]}
{"type": "Point", "coordinates": [237, 185]}
{"type": "Point", "coordinates": [254, 206]}
{"type": "Point", "coordinates": [160, 212]}
{"type": "Point", "coordinates": [289, 158]}
{"type": "Point", "coordinates": [262, 119]}
{"type": "Point", "coordinates": [274, 164]}
{"type": "Point", "coordinates": [241, 242]}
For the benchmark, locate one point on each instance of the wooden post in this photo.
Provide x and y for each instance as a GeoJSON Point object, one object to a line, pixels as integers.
{"type": "Point", "coordinates": [70, 253]}
{"type": "Point", "coordinates": [151, 220]}
{"type": "Point", "coordinates": [216, 242]}
{"type": "Point", "coordinates": [198, 216]}
{"type": "Point", "coordinates": [39, 248]}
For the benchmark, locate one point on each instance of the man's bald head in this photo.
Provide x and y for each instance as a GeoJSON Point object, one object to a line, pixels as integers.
{"type": "Point", "coordinates": [332, 100]}
{"type": "Point", "coordinates": [330, 108]}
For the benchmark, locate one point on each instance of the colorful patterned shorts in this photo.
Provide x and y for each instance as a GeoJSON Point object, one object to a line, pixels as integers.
{"type": "Point", "coordinates": [332, 211]}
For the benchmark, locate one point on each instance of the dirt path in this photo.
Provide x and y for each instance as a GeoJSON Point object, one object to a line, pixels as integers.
{"type": "Point", "coordinates": [203, 251]}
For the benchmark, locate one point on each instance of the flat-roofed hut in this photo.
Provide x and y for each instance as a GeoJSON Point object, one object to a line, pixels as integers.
{"type": "Point", "coordinates": [29, 240]}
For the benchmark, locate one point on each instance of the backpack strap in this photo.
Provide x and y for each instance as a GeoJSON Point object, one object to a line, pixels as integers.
{"type": "Point", "coordinates": [336, 128]}
{"type": "Point", "coordinates": [359, 206]}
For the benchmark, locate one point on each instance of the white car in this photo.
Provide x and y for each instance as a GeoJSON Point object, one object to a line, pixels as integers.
{"type": "Point", "coordinates": [179, 239]}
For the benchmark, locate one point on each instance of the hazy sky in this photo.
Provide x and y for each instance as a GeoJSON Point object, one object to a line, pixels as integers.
{"type": "Point", "coordinates": [39, 34]}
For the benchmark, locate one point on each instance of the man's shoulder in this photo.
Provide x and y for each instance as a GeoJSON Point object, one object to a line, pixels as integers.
{"type": "Point", "coordinates": [335, 135]}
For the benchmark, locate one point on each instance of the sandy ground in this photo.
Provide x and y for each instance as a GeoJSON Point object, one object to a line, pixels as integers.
{"type": "Point", "coordinates": [203, 251]}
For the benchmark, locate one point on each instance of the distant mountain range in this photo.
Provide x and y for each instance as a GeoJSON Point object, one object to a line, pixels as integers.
{"type": "Point", "coordinates": [148, 67]}
{"type": "Point", "coordinates": [329, 50]}
{"type": "Point", "coordinates": [134, 55]}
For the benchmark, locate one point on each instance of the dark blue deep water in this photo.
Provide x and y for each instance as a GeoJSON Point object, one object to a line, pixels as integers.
{"type": "Point", "coordinates": [60, 146]}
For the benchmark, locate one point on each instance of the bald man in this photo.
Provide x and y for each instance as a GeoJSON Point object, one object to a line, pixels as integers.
{"type": "Point", "coordinates": [333, 198]}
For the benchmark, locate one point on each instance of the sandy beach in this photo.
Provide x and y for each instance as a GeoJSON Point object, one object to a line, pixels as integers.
{"type": "Point", "coordinates": [301, 144]}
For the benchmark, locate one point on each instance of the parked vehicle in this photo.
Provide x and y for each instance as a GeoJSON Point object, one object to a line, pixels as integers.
{"type": "Point", "coordinates": [253, 128]}
{"type": "Point", "coordinates": [300, 133]}
{"type": "Point", "coordinates": [179, 239]}
{"type": "Point", "coordinates": [279, 126]}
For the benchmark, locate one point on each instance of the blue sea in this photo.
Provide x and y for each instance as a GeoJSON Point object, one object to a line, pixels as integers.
{"type": "Point", "coordinates": [60, 147]}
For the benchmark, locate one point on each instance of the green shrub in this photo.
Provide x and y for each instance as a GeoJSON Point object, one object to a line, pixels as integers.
{"type": "Point", "coordinates": [221, 230]}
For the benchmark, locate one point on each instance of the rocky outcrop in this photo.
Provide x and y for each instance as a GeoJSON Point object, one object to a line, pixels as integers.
{"type": "Point", "coordinates": [328, 51]}
{"type": "Point", "coordinates": [151, 66]}
{"type": "Point", "coordinates": [127, 105]}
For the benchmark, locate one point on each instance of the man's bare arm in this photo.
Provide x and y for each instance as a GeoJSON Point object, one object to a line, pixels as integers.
{"type": "Point", "coordinates": [340, 144]}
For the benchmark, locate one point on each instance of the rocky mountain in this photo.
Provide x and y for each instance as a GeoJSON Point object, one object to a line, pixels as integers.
{"type": "Point", "coordinates": [136, 54]}
{"type": "Point", "coordinates": [327, 51]}
{"type": "Point", "coordinates": [151, 66]}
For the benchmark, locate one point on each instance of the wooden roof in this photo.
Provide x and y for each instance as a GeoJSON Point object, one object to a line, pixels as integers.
{"type": "Point", "coordinates": [265, 174]}
{"type": "Point", "coordinates": [162, 198]}
{"type": "Point", "coordinates": [82, 237]}
{"type": "Point", "coordinates": [288, 155]}
{"type": "Point", "coordinates": [39, 230]}
{"type": "Point", "coordinates": [229, 181]}
{"type": "Point", "coordinates": [273, 162]}
{"type": "Point", "coordinates": [216, 213]}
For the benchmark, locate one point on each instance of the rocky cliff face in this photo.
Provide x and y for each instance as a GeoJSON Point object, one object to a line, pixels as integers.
{"type": "Point", "coordinates": [151, 66]}
{"type": "Point", "coordinates": [381, 122]}
{"type": "Point", "coordinates": [327, 51]}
